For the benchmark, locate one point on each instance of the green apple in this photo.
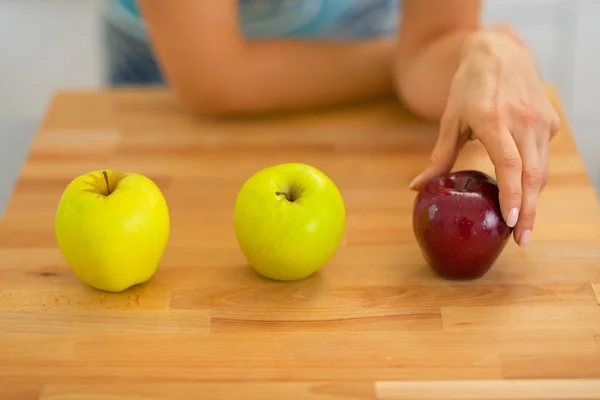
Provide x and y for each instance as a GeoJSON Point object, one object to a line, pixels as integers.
{"type": "Point", "coordinates": [112, 228]}
{"type": "Point", "coordinates": [289, 221]}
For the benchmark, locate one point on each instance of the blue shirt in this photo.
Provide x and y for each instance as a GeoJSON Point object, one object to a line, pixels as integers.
{"type": "Point", "coordinates": [131, 60]}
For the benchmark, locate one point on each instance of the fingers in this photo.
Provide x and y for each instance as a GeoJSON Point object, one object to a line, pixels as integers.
{"type": "Point", "coordinates": [532, 181]}
{"type": "Point", "coordinates": [444, 153]}
{"type": "Point", "coordinates": [505, 156]}
{"type": "Point", "coordinates": [542, 146]}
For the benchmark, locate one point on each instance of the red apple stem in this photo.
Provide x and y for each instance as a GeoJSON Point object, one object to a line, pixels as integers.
{"type": "Point", "coordinates": [106, 180]}
{"type": "Point", "coordinates": [467, 184]}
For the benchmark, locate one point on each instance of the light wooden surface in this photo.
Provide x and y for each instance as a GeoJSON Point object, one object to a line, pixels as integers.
{"type": "Point", "coordinates": [373, 324]}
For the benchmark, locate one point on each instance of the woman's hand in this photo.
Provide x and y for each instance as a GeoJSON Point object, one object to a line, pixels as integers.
{"type": "Point", "coordinates": [497, 98]}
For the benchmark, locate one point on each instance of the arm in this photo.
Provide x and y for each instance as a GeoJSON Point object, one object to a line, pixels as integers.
{"type": "Point", "coordinates": [431, 39]}
{"type": "Point", "coordinates": [214, 70]}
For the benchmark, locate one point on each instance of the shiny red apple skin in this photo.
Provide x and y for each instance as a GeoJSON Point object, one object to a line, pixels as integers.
{"type": "Point", "coordinates": [459, 226]}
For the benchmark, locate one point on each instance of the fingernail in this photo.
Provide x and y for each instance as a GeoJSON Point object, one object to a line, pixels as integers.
{"type": "Point", "coordinates": [525, 238]}
{"type": "Point", "coordinates": [513, 216]}
{"type": "Point", "coordinates": [414, 181]}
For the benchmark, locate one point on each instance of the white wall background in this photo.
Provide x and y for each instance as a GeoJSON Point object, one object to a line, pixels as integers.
{"type": "Point", "coordinates": [60, 46]}
{"type": "Point", "coordinates": [584, 107]}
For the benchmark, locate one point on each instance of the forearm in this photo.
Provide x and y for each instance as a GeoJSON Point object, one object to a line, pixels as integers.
{"type": "Point", "coordinates": [423, 75]}
{"type": "Point", "coordinates": [215, 69]}
{"type": "Point", "coordinates": [284, 75]}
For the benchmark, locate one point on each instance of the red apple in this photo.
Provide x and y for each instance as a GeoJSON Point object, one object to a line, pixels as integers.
{"type": "Point", "coordinates": [458, 224]}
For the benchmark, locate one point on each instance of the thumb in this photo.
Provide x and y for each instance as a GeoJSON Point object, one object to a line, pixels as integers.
{"type": "Point", "coordinates": [444, 153]}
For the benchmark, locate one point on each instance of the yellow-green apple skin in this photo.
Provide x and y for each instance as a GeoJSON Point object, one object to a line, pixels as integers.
{"type": "Point", "coordinates": [289, 221]}
{"type": "Point", "coordinates": [112, 234]}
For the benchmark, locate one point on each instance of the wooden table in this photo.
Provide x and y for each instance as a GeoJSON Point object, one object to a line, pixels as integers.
{"type": "Point", "coordinates": [373, 324]}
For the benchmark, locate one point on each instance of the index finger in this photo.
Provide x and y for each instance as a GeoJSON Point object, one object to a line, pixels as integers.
{"type": "Point", "coordinates": [444, 152]}
{"type": "Point", "coordinates": [504, 154]}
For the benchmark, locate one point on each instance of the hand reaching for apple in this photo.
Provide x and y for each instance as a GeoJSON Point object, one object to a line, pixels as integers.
{"type": "Point", "coordinates": [497, 98]}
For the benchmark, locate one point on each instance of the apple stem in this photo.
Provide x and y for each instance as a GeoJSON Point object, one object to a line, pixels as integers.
{"type": "Point", "coordinates": [467, 184]}
{"type": "Point", "coordinates": [278, 193]}
{"type": "Point", "coordinates": [106, 180]}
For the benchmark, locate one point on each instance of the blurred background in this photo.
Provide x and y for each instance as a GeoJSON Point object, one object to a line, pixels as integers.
{"type": "Point", "coordinates": [48, 45]}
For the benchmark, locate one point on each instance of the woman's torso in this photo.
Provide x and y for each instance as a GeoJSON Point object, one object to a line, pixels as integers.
{"type": "Point", "coordinates": [130, 56]}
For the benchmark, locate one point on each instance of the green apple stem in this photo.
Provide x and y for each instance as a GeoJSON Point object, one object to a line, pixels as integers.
{"type": "Point", "coordinates": [278, 193]}
{"type": "Point", "coordinates": [106, 180]}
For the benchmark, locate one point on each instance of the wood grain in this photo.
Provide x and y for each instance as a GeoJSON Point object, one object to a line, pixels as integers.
{"type": "Point", "coordinates": [490, 390]}
{"type": "Point", "coordinates": [214, 391]}
{"type": "Point", "coordinates": [375, 323]}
